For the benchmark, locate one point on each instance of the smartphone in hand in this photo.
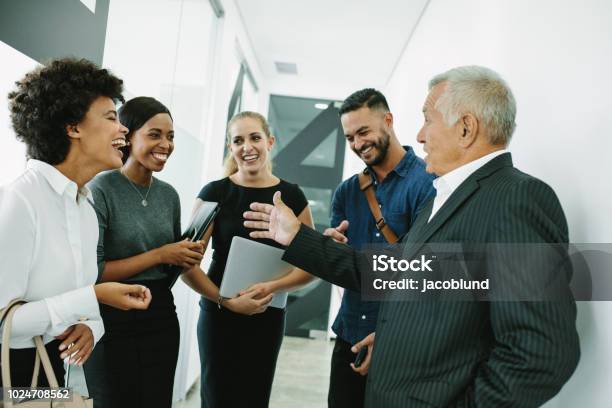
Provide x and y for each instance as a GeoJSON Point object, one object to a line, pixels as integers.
{"type": "Point", "coordinates": [361, 355]}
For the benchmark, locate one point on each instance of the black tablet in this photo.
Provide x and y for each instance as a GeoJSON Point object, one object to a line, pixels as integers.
{"type": "Point", "coordinates": [201, 221]}
{"type": "Point", "coordinates": [195, 231]}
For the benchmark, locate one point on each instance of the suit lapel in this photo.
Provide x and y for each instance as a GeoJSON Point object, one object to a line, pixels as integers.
{"type": "Point", "coordinates": [407, 240]}
{"type": "Point", "coordinates": [419, 223]}
{"type": "Point", "coordinates": [462, 193]}
{"type": "Point", "coordinates": [425, 230]}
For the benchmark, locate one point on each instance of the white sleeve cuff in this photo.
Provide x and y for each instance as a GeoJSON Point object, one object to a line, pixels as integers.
{"type": "Point", "coordinates": [97, 328]}
{"type": "Point", "coordinates": [76, 306]}
{"type": "Point", "coordinates": [31, 319]}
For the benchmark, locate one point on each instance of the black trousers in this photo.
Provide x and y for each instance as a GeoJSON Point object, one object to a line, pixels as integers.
{"type": "Point", "coordinates": [238, 355]}
{"type": "Point", "coordinates": [134, 363]}
{"type": "Point", "coordinates": [22, 366]}
{"type": "Point", "coordinates": [346, 387]}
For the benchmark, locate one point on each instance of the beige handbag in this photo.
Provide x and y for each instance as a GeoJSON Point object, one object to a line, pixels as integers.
{"type": "Point", "coordinates": [77, 401]}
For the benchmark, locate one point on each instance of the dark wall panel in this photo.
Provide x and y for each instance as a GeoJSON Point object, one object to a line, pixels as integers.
{"type": "Point", "coordinates": [44, 29]}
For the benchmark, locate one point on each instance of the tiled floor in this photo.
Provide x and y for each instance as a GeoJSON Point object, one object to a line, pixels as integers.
{"type": "Point", "coordinates": [302, 376]}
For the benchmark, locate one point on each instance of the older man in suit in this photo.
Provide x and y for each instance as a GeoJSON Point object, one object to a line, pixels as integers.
{"type": "Point", "coordinates": [499, 353]}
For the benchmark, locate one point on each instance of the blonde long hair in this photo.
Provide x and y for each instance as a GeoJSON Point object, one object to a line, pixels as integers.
{"type": "Point", "coordinates": [229, 164]}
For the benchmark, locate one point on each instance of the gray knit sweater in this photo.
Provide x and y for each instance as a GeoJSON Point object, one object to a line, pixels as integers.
{"type": "Point", "coordinates": [127, 228]}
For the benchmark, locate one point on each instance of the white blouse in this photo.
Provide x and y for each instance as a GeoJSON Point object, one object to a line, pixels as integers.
{"type": "Point", "coordinates": [48, 239]}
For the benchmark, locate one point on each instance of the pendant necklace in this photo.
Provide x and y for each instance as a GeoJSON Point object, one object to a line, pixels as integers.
{"type": "Point", "coordinates": [144, 201]}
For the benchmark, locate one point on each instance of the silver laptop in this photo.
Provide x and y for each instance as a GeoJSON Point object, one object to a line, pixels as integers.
{"type": "Point", "coordinates": [251, 262]}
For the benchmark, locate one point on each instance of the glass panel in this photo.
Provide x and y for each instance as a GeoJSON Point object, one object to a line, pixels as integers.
{"type": "Point", "coordinates": [319, 200]}
{"type": "Point", "coordinates": [289, 115]}
{"type": "Point", "coordinates": [235, 74]}
{"type": "Point", "coordinates": [311, 162]}
{"type": "Point", "coordinates": [249, 96]}
{"type": "Point", "coordinates": [324, 155]}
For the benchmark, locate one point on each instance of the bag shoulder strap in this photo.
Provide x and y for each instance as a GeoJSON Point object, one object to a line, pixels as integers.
{"type": "Point", "coordinates": [4, 311]}
{"type": "Point", "coordinates": [6, 317]}
{"type": "Point", "coordinates": [365, 185]}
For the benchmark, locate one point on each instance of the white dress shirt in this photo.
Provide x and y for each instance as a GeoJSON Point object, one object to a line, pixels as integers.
{"type": "Point", "coordinates": [445, 185]}
{"type": "Point", "coordinates": [48, 238]}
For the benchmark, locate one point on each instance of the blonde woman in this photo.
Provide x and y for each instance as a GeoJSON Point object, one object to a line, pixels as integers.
{"type": "Point", "coordinates": [238, 351]}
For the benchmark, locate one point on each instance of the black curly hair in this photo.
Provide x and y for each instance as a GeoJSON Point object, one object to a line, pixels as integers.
{"type": "Point", "coordinates": [54, 96]}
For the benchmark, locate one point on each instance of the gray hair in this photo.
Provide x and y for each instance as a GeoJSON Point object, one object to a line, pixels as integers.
{"type": "Point", "coordinates": [481, 92]}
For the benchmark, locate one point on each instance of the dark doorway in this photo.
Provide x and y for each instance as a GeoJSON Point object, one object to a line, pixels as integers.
{"type": "Point", "coordinates": [310, 152]}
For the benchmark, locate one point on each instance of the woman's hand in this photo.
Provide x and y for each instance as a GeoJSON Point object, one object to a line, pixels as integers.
{"type": "Point", "coordinates": [263, 289]}
{"type": "Point", "coordinates": [183, 253]}
{"type": "Point", "coordinates": [248, 304]}
{"type": "Point", "coordinates": [123, 296]}
{"type": "Point", "coordinates": [78, 342]}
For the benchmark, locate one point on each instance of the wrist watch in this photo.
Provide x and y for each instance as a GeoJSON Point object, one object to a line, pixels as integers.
{"type": "Point", "coordinates": [220, 300]}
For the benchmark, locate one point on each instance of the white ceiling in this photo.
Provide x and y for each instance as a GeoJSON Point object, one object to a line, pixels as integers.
{"type": "Point", "coordinates": [339, 46]}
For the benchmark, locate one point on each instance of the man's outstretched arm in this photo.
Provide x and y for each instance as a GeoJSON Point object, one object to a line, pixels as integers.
{"type": "Point", "coordinates": [325, 258]}
{"type": "Point", "coordinates": [306, 248]}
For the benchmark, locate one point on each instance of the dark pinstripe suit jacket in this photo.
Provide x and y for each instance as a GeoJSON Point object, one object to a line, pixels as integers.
{"type": "Point", "coordinates": [465, 354]}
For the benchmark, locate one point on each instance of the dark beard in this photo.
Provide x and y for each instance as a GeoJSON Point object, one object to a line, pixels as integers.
{"type": "Point", "coordinates": [382, 146]}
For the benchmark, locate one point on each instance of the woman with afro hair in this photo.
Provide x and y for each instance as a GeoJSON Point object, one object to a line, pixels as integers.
{"type": "Point", "coordinates": [65, 114]}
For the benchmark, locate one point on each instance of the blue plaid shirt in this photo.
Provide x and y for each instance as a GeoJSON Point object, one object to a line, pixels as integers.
{"type": "Point", "coordinates": [401, 195]}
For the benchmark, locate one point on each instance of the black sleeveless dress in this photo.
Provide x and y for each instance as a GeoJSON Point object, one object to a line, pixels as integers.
{"type": "Point", "coordinates": [238, 353]}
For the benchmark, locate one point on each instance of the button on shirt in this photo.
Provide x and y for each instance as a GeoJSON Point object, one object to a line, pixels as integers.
{"type": "Point", "coordinates": [401, 195]}
{"type": "Point", "coordinates": [49, 233]}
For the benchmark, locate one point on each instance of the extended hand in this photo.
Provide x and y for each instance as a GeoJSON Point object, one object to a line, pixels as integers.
{"type": "Point", "coordinates": [368, 342]}
{"type": "Point", "coordinates": [277, 221]}
{"type": "Point", "coordinates": [78, 342]}
{"type": "Point", "coordinates": [122, 296]}
{"type": "Point", "coordinates": [337, 234]}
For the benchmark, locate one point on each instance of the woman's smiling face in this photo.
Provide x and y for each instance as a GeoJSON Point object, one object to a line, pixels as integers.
{"type": "Point", "coordinates": [249, 144]}
{"type": "Point", "coordinates": [152, 144]}
{"type": "Point", "coordinates": [100, 134]}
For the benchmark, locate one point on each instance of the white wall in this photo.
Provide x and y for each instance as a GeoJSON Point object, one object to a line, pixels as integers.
{"type": "Point", "coordinates": [557, 58]}
{"type": "Point", "coordinates": [14, 66]}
